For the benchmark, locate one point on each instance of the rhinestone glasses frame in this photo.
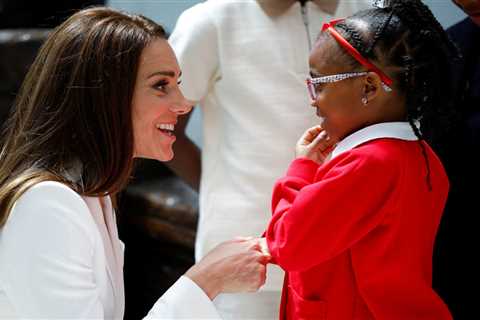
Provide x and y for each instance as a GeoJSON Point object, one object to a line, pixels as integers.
{"type": "Point", "coordinates": [312, 82]}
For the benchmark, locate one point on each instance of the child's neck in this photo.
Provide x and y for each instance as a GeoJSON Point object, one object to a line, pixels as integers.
{"type": "Point", "coordinates": [389, 110]}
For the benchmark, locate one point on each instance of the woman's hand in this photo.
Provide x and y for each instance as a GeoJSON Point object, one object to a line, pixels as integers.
{"type": "Point", "coordinates": [233, 266]}
{"type": "Point", "coordinates": [315, 145]}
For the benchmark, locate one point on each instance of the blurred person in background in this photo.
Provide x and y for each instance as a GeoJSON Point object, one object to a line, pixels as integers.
{"type": "Point", "coordinates": [245, 64]}
{"type": "Point", "coordinates": [455, 267]}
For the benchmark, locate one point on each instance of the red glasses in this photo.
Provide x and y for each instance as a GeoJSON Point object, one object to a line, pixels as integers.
{"type": "Point", "coordinates": [386, 80]}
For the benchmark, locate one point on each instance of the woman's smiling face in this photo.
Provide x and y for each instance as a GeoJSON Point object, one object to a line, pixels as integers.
{"type": "Point", "coordinates": [157, 102]}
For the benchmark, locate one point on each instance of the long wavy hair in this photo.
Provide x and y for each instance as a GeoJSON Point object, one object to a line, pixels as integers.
{"type": "Point", "coordinates": [73, 111]}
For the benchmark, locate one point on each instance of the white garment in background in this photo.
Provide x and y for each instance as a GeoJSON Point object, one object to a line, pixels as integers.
{"type": "Point", "coordinates": [247, 71]}
{"type": "Point", "coordinates": [61, 258]}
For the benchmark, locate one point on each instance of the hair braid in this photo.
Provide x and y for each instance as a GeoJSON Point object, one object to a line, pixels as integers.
{"type": "Point", "coordinates": [413, 110]}
{"type": "Point", "coordinates": [379, 32]}
{"type": "Point", "coordinates": [354, 37]}
{"type": "Point", "coordinates": [418, 134]}
{"type": "Point", "coordinates": [429, 89]}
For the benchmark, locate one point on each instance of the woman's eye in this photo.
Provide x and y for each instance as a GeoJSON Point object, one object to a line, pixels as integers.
{"type": "Point", "coordinates": [161, 85]}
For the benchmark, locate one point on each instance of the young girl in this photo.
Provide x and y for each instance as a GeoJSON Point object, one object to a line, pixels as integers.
{"type": "Point", "coordinates": [355, 233]}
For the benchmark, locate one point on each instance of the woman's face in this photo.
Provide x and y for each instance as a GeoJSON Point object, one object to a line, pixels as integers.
{"type": "Point", "coordinates": [338, 104]}
{"type": "Point", "coordinates": [157, 102]}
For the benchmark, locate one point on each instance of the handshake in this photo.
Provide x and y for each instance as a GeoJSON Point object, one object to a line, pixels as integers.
{"type": "Point", "coordinates": [237, 265]}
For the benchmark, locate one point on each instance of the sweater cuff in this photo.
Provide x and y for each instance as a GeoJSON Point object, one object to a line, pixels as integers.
{"type": "Point", "coordinates": [303, 168]}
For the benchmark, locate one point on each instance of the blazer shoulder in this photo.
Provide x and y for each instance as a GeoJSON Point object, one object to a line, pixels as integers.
{"type": "Point", "coordinates": [52, 199]}
{"type": "Point", "coordinates": [51, 191]}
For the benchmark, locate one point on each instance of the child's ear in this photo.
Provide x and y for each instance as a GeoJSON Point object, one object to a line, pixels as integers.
{"type": "Point", "coordinates": [371, 87]}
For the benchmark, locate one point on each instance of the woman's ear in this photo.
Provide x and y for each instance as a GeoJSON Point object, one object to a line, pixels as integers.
{"type": "Point", "coordinates": [372, 86]}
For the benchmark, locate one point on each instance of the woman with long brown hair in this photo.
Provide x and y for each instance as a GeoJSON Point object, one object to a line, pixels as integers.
{"type": "Point", "coordinates": [102, 91]}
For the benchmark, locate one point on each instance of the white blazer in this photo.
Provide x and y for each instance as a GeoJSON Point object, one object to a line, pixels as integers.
{"type": "Point", "coordinates": [60, 257]}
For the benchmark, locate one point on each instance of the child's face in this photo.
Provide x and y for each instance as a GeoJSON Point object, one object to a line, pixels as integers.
{"type": "Point", "coordinates": [338, 104]}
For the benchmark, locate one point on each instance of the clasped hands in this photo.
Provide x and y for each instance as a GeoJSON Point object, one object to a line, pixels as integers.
{"type": "Point", "coordinates": [237, 265]}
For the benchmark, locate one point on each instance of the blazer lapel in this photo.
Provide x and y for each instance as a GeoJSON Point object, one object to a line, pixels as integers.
{"type": "Point", "coordinates": [111, 223]}
{"type": "Point", "coordinates": [105, 227]}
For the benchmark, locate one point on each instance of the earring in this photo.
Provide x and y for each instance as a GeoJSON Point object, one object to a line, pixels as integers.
{"type": "Point", "coordinates": [365, 100]}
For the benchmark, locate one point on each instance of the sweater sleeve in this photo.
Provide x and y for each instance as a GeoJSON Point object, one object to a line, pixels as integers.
{"type": "Point", "coordinates": [314, 221]}
{"type": "Point", "coordinates": [195, 43]}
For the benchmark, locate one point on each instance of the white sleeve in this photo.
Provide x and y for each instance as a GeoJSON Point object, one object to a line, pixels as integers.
{"type": "Point", "coordinates": [48, 255]}
{"type": "Point", "coordinates": [195, 43]}
{"type": "Point", "coordinates": [184, 300]}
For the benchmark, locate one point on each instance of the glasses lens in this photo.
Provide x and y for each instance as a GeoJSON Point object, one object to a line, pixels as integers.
{"type": "Point", "coordinates": [311, 90]}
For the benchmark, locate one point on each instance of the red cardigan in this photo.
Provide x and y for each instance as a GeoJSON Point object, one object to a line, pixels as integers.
{"type": "Point", "coordinates": [355, 235]}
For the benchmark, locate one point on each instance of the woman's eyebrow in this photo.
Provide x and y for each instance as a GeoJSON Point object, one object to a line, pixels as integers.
{"type": "Point", "coordinates": [170, 74]}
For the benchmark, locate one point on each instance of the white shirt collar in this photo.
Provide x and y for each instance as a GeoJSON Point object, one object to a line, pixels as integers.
{"type": "Point", "coordinates": [397, 130]}
{"type": "Point", "coordinates": [280, 6]}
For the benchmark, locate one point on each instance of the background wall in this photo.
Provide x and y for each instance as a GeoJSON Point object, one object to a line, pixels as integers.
{"type": "Point", "coordinates": [166, 13]}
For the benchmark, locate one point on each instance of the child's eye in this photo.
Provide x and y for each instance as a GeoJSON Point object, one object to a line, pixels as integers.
{"type": "Point", "coordinates": [318, 87]}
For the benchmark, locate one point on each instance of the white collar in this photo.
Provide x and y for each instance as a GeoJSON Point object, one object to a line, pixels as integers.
{"type": "Point", "coordinates": [397, 130]}
{"type": "Point", "coordinates": [278, 7]}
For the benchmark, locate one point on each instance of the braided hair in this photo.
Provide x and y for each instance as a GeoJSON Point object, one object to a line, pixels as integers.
{"type": "Point", "coordinates": [411, 46]}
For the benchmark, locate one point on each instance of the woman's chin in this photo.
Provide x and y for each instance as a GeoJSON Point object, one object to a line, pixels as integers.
{"type": "Point", "coordinates": [168, 158]}
{"type": "Point", "coordinates": [162, 156]}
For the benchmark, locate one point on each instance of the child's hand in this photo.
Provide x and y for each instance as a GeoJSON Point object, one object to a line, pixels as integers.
{"type": "Point", "coordinates": [315, 145]}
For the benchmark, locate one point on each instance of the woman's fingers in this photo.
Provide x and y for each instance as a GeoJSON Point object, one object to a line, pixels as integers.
{"type": "Point", "coordinates": [240, 239]}
{"type": "Point", "coordinates": [233, 266]}
{"type": "Point", "coordinates": [264, 246]}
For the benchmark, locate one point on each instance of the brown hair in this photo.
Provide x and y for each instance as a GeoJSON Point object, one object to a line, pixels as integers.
{"type": "Point", "coordinates": [74, 107]}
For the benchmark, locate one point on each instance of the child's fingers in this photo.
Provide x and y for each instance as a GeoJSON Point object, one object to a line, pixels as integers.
{"type": "Point", "coordinates": [329, 149]}
{"type": "Point", "coordinates": [322, 146]}
{"type": "Point", "coordinates": [311, 134]}
{"type": "Point", "coordinates": [321, 142]}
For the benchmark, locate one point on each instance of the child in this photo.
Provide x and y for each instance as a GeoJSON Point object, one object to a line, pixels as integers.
{"type": "Point", "coordinates": [355, 233]}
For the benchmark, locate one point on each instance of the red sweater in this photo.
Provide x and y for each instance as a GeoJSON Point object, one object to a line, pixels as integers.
{"type": "Point", "coordinates": [355, 235]}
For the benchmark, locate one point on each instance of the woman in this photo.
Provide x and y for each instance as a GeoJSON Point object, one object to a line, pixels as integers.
{"type": "Point", "coordinates": [102, 91]}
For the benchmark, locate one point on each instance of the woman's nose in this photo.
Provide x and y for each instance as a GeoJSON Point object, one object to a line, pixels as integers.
{"type": "Point", "coordinates": [182, 108]}
{"type": "Point", "coordinates": [182, 105]}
